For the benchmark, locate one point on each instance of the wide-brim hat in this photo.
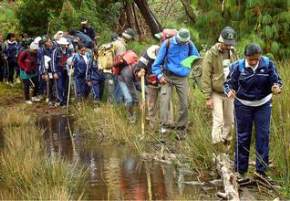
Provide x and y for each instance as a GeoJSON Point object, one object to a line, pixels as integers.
{"type": "Point", "coordinates": [33, 46]}
{"type": "Point", "coordinates": [152, 51]}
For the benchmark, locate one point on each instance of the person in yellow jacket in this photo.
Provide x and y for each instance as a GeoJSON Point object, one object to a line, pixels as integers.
{"type": "Point", "coordinates": [215, 68]}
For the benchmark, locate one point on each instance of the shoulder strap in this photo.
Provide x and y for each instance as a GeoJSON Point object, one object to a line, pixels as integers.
{"type": "Point", "coordinates": [267, 61]}
{"type": "Point", "coordinates": [189, 48]}
{"type": "Point", "coordinates": [241, 65]}
{"type": "Point", "coordinates": [167, 47]}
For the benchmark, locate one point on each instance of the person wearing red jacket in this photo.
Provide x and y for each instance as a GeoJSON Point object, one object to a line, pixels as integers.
{"type": "Point", "coordinates": [27, 62]}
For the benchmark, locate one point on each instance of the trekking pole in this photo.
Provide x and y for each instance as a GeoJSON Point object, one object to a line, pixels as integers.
{"type": "Point", "coordinates": [69, 83]}
{"type": "Point", "coordinates": [143, 106]}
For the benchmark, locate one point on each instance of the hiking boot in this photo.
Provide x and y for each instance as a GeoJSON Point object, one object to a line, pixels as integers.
{"type": "Point", "coordinates": [242, 177]}
{"type": "Point", "coordinates": [163, 130]}
{"type": "Point", "coordinates": [262, 176]}
{"type": "Point", "coordinates": [35, 99]}
{"type": "Point", "coordinates": [28, 102]}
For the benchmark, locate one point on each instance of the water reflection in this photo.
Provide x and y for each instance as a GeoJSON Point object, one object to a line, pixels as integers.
{"type": "Point", "coordinates": [116, 173]}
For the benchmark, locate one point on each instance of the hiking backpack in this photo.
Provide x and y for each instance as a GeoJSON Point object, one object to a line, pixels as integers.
{"type": "Point", "coordinates": [106, 54]}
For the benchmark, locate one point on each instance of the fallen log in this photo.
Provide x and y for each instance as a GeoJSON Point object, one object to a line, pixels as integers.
{"type": "Point", "coordinates": [229, 178]}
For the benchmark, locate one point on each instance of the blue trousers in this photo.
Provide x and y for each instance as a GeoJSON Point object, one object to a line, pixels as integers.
{"type": "Point", "coordinates": [62, 87]}
{"type": "Point", "coordinates": [81, 87]}
{"type": "Point", "coordinates": [98, 89]}
{"type": "Point", "coordinates": [246, 117]}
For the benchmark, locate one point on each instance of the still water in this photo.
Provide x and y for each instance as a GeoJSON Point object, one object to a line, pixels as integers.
{"type": "Point", "coordinates": [115, 171]}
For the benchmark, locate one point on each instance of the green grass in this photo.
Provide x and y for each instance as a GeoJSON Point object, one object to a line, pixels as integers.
{"type": "Point", "coordinates": [27, 172]}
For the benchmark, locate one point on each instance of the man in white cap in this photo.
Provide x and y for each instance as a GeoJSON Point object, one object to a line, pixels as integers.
{"type": "Point", "coordinates": [59, 69]}
{"type": "Point", "coordinates": [171, 73]}
{"type": "Point", "coordinates": [215, 69]}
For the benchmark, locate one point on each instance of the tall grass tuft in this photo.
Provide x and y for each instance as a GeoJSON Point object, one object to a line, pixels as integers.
{"type": "Point", "coordinates": [26, 171]}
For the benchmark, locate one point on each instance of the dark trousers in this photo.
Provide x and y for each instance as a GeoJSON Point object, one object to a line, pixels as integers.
{"type": "Point", "coordinates": [1, 72]}
{"type": "Point", "coordinates": [246, 116]}
{"type": "Point", "coordinates": [62, 87]}
{"type": "Point", "coordinates": [12, 66]}
{"type": "Point", "coordinates": [98, 89]}
{"type": "Point", "coordinates": [27, 84]}
{"type": "Point", "coordinates": [81, 87]}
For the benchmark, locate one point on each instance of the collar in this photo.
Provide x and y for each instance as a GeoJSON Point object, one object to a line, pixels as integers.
{"type": "Point", "coordinates": [254, 68]}
{"type": "Point", "coordinates": [12, 42]}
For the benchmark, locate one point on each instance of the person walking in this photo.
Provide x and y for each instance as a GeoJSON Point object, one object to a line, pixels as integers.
{"type": "Point", "coordinates": [251, 82]}
{"type": "Point", "coordinates": [59, 69]}
{"type": "Point", "coordinates": [215, 68]}
{"type": "Point", "coordinates": [11, 50]}
{"type": "Point", "coordinates": [171, 73]}
{"type": "Point", "coordinates": [27, 61]}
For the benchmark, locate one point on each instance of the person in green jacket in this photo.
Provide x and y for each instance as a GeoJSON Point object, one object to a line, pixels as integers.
{"type": "Point", "coordinates": [215, 68]}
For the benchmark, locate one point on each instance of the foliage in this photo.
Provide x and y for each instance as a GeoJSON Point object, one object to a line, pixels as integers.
{"type": "Point", "coordinates": [8, 20]}
{"type": "Point", "coordinates": [265, 22]}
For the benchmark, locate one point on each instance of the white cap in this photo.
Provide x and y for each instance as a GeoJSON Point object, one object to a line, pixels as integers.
{"type": "Point", "coordinates": [37, 40]}
{"type": "Point", "coordinates": [58, 35]}
{"type": "Point", "coordinates": [62, 41]}
{"type": "Point", "coordinates": [33, 46]}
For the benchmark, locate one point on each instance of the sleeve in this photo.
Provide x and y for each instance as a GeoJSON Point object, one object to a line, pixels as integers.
{"type": "Point", "coordinates": [156, 67]}
{"type": "Point", "coordinates": [21, 61]}
{"type": "Point", "coordinates": [232, 81]}
{"type": "Point", "coordinates": [54, 61]}
{"type": "Point", "coordinates": [274, 76]}
{"type": "Point", "coordinates": [206, 81]}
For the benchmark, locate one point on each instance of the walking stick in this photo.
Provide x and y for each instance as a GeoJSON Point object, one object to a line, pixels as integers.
{"type": "Point", "coordinates": [69, 83]}
{"type": "Point", "coordinates": [143, 105]}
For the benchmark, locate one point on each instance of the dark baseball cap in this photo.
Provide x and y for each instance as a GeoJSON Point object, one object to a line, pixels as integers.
{"type": "Point", "coordinates": [227, 36]}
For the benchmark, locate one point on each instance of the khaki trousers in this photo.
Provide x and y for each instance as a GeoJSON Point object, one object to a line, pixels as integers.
{"type": "Point", "coordinates": [223, 118]}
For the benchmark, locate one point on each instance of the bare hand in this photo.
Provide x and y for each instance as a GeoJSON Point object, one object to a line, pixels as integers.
{"type": "Point", "coordinates": [44, 77]}
{"type": "Point", "coordinates": [141, 73]}
{"type": "Point", "coordinates": [162, 80]}
{"type": "Point", "coordinates": [231, 94]}
{"type": "Point", "coordinates": [90, 83]}
{"type": "Point", "coordinates": [209, 103]}
{"type": "Point", "coordinates": [276, 89]}
{"type": "Point", "coordinates": [55, 76]}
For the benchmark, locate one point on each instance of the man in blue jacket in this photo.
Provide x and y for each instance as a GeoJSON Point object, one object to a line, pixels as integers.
{"type": "Point", "coordinates": [171, 73]}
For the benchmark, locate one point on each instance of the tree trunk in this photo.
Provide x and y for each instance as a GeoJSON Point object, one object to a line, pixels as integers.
{"type": "Point", "coordinates": [149, 17]}
{"type": "Point", "coordinates": [188, 10]}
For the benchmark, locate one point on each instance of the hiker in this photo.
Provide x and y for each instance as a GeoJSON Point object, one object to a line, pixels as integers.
{"type": "Point", "coordinates": [2, 59]}
{"type": "Point", "coordinates": [84, 39]}
{"type": "Point", "coordinates": [45, 69]}
{"type": "Point", "coordinates": [120, 45]}
{"type": "Point", "coordinates": [27, 61]}
{"type": "Point", "coordinates": [96, 79]}
{"type": "Point", "coordinates": [215, 69]}
{"type": "Point", "coordinates": [11, 50]}
{"type": "Point", "coordinates": [81, 63]}
{"type": "Point", "coordinates": [108, 54]}
{"type": "Point", "coordinates": [144, 68]}
{"type": "Point", "coordinates": [127, 79]}
{"type": "Point", "coordinates": [59, 69]}
{"type": "Point", "coordinates": [152, 85]}
{"type": "Point", "coordinates": [88, 30]}
{"type": "Point", "coordinates": [251, 82]}
{"type": "Point", "coordinates": [172, 74]}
